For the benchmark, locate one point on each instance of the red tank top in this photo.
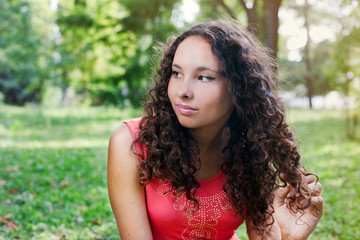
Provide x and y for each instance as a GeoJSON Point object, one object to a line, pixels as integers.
{"type": "Point", "coordinates": [170, 217]}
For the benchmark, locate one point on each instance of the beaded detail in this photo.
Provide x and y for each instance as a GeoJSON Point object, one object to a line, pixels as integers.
{"type": "Point", "coordinates": [201, 224]}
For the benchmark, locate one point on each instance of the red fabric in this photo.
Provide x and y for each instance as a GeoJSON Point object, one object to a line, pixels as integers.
{"type": "Point", "coordinates": [169, 219]}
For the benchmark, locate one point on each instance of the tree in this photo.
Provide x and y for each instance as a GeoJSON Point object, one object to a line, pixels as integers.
{"type": "Point", "coordinates": [347, 65]}
{"type": "Point", "coordinates": [152, 24]}
{"type": "Point", "coordinates": [106, 46]}
{"type": "Point", "coordinates": [271, 24]}
{"type": "Point", "coordinates": [314, 56]}
{"type": "Point", "coordinates": [24, 54]}
{"type": "Point", "coordinates": [73, 45]}
{"type": "Point", "coordinates": [93, 49]}
{"type": "Point", "coordinates": [292, 74]}
{"type": "Point", "coordinates": [101, 49]}
{"type": "Point", "coordinates": [308, 76]}
{"type": "Point", "coordinates": [262, 17]}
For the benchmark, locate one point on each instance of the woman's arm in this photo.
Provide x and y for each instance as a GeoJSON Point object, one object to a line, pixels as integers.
{"type": "Point", "coordinates": [126, 195]}
{"type": "Point", "coordinates": [272, 234]}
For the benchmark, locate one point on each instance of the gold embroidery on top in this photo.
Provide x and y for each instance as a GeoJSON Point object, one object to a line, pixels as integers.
{"type": "Point", "coordinates": [201, 223]}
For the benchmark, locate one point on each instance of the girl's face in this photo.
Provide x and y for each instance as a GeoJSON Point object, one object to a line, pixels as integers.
{"type": "Point", "coordinates": [197, 88]}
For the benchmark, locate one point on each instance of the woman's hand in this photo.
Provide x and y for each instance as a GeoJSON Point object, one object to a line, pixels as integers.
{"type": "Point", "coordinates": [298, 226]}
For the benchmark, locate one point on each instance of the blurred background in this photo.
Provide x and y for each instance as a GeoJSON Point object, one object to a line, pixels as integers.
{"type": "Point", "coordinates": [72, 70]}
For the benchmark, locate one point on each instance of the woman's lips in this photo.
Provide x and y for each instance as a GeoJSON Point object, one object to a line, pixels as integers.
{"type": "Point", "coordinates": [186, 110]}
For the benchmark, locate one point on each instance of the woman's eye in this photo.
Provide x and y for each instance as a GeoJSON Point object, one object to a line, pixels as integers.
{"type": "Point", "coordinates": [206, 78]}
{"type": "Point", "coordinates": [176, 74]}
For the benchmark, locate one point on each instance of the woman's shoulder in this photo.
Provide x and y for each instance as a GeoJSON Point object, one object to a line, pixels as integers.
{"type": "Point", "coordinates": [121, 140]}
{"type": "Point", "coordinates": [133, 120]}
{"type": "Point", "coordinates": [124, 135]}
{"type": "Point", "coordinates": [133, 125]}
{"type": "Point", "coordinates": [121, 136]}
{"type": "Point", "coordinates": [125, 131]}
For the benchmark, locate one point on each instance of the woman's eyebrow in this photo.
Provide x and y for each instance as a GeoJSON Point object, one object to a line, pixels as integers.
{"type": "Point", "coordinates": [200, 68]}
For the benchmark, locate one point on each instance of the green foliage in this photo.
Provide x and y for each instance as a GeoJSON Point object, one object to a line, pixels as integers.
{"type": "Point", "coordinates": [53, 178]}
{"type": "Point", "coordinates": [106, 47]}
{"type": "Point", "coordinates": [212, 9]}
{"type": "Point", "coordinates": [103, 50]}
{"type": "Point", "coordinates": [152, 24]}
{"type": "Point", "coordinates": [292, 74]}
{"type": "Point", "coordinates": [23, 57]}
{"type": "Point", "coordinates": [322, 60]}
{"type": "Point", "coordinates": [347, 63]}
{"type": "Point", "coordinates": [100, 49]}
{"type": "Point", "coordinates": [344, 75]}
{"type": "Point", "coordinates": [93, 49]}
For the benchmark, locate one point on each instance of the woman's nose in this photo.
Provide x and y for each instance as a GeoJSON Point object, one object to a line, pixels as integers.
{"type": "Point", "coordinates": [186, 89]}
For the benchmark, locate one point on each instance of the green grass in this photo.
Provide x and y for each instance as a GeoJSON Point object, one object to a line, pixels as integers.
{"type": "Point", "coordinates": [53, 172]}
{"type": "Point", "coordinates": [336, 160]}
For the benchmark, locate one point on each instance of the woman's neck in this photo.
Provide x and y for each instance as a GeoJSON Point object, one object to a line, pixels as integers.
{"type": "Point", "coordinates": [207, 140]}
{"type": "Point", "coordinates": [210, 144]}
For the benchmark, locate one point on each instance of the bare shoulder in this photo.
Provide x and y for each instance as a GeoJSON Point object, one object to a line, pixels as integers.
{"type": "Point", "coordinates": [120, 145]}
{"type": "Point", "coordinates": [122, 167]}
{"type": "Point", "coordinates": [126, 195]}
{"type": "Point", "coordinates": [121, 136]}
{"type": "Point", "coordinates": [122, 161]}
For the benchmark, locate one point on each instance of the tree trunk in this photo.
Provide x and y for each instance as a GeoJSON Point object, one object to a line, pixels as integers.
{"type": "Point", "coordinates": [270, 21]}
{"type": "Point", "coordinates": [10, 98]}
{"type": "Point", "coordinates": [64, 89]}
{"type": "Point", "coordinates": [271, 24]}
{"type": "Point", "coordinates": [308, 77]}
{"type": "Point", "coordinates": [355, 124]}
{"type": "Point", "coordinates": [252, 16]}
{"type": "Point", "coordinates": [252, 20]}
{"type": "Point", "coordinates": [347, 111]}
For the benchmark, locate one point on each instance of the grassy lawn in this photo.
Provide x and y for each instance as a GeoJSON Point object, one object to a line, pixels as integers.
{"type": "Point", "coordinates": [336, 160]}
{"type": "Point", "coordinates": [53, 172]}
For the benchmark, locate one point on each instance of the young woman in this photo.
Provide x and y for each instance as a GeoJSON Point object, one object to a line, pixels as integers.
{"type": "Point", "coordinates": [213, 149]}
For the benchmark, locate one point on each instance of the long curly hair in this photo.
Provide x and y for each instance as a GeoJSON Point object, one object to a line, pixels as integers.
{"type": "Point", "coordinates": [261, 145]}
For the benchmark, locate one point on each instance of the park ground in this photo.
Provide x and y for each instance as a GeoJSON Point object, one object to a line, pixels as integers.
{"type": "Point", "coordinates": [53, 171]}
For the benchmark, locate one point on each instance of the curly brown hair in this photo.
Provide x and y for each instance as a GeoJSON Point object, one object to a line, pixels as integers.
{"type": "Point", "coordinates": [261, 144]}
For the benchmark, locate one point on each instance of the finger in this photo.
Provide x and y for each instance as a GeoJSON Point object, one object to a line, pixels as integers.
{"type": "Point", "coordinates": [292, 190]}
{"type": "Point", "coordinates": [306, 178]}
{"type": "Point", "coordinates": [317, 203]}
{"type": "Point", "coordinates": [309, 178]}
{"type": "Point", "coordinates": [280, 196]}
{"type": "Point", "coordinates": [315, 188]}
{"type": "Point", "coordinates": [283, 176]}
